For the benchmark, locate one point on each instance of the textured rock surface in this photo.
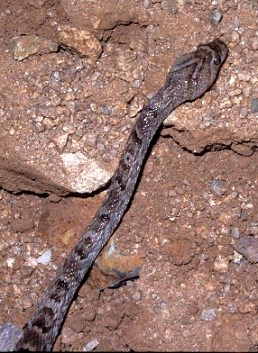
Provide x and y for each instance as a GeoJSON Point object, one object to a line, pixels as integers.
{"type": "Point", "coordinates": [82, 41]}
{"type": "Point", "coordinates": [30, 45]}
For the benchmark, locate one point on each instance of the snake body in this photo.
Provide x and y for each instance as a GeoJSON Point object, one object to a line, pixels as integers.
{"type": "Point", "coordinates": [189, 78]}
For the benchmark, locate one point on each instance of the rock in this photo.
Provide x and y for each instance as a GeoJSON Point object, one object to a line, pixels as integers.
{"type": "Point", "coordinates": [45, 258]}
{"type": "Point", "coordinates": [30, 45]}
{"type": "Point", "coordinates": [248, 247]}
{"type": "Point", "coordinates": [221, 264]}
{"type": "Point", "coordinates": [82, 41]}
{"type": "Point", "coordinates": [85, 174]}
{"type": "Point", "coordinates": [216, 17]}
{"type": "Point", "coordinates": [180, 251]}
{"type": "Point", "coordinates": [235, 232]}
{"type": "Point", "coordinates": [208, 314]}
{"type": "Point", "coordinates": [254, 105]}
{"type": "Point", "coordinates": [92, 344]}
{"type": "Point", "coordinates": [112, 269]}
{"type": "Point", "coordinates": [218, 187]}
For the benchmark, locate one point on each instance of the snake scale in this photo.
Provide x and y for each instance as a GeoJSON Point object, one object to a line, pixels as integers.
{"type": "Point", "coordinates": [189, 78]}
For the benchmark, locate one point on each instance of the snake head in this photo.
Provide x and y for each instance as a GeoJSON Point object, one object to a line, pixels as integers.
{"type": "Point", "coordinates": [197, 71]}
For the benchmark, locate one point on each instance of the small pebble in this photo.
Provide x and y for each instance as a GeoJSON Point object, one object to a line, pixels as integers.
{"type": "Point", "coordinates": [221, 264]}
{"type": "Point", "coordinates": [248, 247]}
{"type": "Point", "coordinates": [235, 232]}
{"type": "Point", "coordinates": [216, 17]}
{"type": "Point", "coordinates": [254, 105]}
{"type": "Point", "coordinates": [237, 258]}
{"type": "Point", "coordinates": [218, 187]}
{"type": "Point", "coordinates": [45, 258]}
{"type": "Point", "coordinates": [10, 262]}
{"type": "Point", "coordinates": [31, 262]}
{"type": "Point", "coordinates": [107, 110]}
{"type": "Point", "coordinates": [136, 295]}
{"type": "Point", "coordinates": [208, 314]}
{"type": "Point", "coordinates": [92, 344]}
{"type": "Point", "coordinates": [253, 228]}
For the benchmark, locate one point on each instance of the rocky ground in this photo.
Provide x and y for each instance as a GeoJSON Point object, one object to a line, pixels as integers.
{"type": "Point", "coordinates": [73, 77]}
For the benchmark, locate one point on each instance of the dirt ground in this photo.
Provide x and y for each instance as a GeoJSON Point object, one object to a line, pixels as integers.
{"type": "Point", "coordinates": [192, 226]}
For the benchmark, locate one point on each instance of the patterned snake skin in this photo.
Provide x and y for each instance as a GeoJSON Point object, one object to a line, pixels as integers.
{"type": "Point", "coordinates": [189, 78]}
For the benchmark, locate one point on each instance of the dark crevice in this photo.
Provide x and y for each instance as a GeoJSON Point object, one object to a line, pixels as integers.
{"type": "Point", "coordinates": [108, 33]}
{"type": "Point", "coordinates": [213, 147]}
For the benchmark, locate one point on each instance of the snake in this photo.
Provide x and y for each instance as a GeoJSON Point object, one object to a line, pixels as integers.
{"type": "Point", "coordinates": [189, 78]}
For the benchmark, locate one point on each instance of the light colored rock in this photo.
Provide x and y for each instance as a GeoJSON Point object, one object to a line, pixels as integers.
{"type": "Point", "coordinates": [86, 175]}
{"type": "Point", "coordinates": [81, 40]}
{"type": "Point", "coordinates": [92, 344]}
{"type": "Point", "coordinates": [30, 45]}
{"type": "Point", "coordinates": [221, 264]}
{"type": "Point", "coordinates": [45, 258]}
{"type": "Point", "coordinates": [208, 314]}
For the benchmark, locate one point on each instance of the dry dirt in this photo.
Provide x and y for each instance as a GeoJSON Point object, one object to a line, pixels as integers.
{"type": "Point", "coordinates": [192, 225]}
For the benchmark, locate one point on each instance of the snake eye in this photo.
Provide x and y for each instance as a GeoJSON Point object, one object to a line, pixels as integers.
{"type": "Point", "coordinates": [217, 61]}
